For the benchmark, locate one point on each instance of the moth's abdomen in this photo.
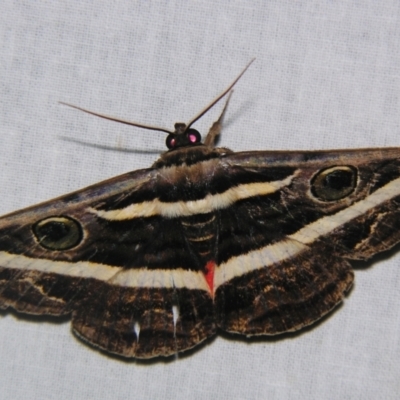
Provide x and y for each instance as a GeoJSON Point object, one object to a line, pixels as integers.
{"type": "Point", "coordinates": [200, 233]}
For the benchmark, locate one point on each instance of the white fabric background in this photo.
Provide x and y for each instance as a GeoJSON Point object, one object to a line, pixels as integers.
{"type": "Point", "coordinates": [326, 76]}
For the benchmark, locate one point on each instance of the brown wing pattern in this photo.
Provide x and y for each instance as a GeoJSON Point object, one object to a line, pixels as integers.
{"type": "Point", "coordinates": [283, 292]}
{"type": "Point", "coordinates": [129, 259]}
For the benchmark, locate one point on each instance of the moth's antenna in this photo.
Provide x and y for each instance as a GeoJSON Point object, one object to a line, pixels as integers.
{"type": "Point", "coordinates": [122, 121]}
{"type": "Point", "coordinates": [223, 94]}
{"type": "Point", "coordinates": [157, 128]}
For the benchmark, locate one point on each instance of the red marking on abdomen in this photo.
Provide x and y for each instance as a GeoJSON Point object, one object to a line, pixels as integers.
{"type": "Point", "coordinates": [209, 274]}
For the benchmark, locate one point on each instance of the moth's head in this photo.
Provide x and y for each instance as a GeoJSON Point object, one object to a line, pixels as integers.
{"type": "Point", "coordinates": [183, 136]}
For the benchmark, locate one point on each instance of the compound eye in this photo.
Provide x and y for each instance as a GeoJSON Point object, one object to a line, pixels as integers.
{"type": "Point", "coordinates": [334, 183]}
{"type": "Point", "coordinates": [193, 136]}
{"type": "Point", "coordinates": [171, 141]}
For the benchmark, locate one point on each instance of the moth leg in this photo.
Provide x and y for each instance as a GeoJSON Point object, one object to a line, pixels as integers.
{"type": "Point", "coordinates": [215, 130]}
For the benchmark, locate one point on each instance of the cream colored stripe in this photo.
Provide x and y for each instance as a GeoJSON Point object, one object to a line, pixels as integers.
{"type": "Point", "coordinates": [297, 242]}
{"type": "Point", "coordinates": [329, 223]}
{"type": "Point", "coordinates": [256, 259]}
{"type": "Point", "coordinates": [210, 203]}
{"type": "Point", "coordinates": [82, 269]}
{"type": "Point", "coordinates": [237, 266]}
{"type": "Point", "coordinates": [138, 277]}
{"type": "Point", "coordinates": [160, 278]}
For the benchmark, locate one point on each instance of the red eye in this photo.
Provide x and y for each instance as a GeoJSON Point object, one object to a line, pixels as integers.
{"type": "Point", "coordinates": [193, 136]}
{"type": "Point", "coordinates": [170, 142]}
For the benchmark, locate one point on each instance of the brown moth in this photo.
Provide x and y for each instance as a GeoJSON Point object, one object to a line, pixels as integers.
{"type": "Point", "coordinates": [155, 261]}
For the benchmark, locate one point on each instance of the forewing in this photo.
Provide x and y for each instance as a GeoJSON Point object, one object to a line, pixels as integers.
{"type": "Point", "coordinates": [128, 290]}
{"type": "Point", "coordinates": [283, 256]}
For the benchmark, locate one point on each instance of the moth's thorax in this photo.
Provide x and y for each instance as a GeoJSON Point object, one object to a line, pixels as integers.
{"type": "Point", "coordinates": [186, 168]}
{"type": "Point", "coordinates": [190, 155]}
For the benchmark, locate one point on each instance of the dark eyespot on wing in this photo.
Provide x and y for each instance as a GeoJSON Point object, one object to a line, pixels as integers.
{"type": "Point", "coordinates": [58, 233]}
{"type": "Point", "coordinates": [334, 183]}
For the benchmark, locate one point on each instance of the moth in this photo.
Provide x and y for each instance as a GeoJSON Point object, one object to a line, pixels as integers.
{"type": "Point", "coordinates": [155, 261]}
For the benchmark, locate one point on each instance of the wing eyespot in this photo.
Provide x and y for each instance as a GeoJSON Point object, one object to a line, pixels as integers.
{"type": "Point", "coordinates": [334, 183]}
{"type": "Point", "coordinates": [58, 233]}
